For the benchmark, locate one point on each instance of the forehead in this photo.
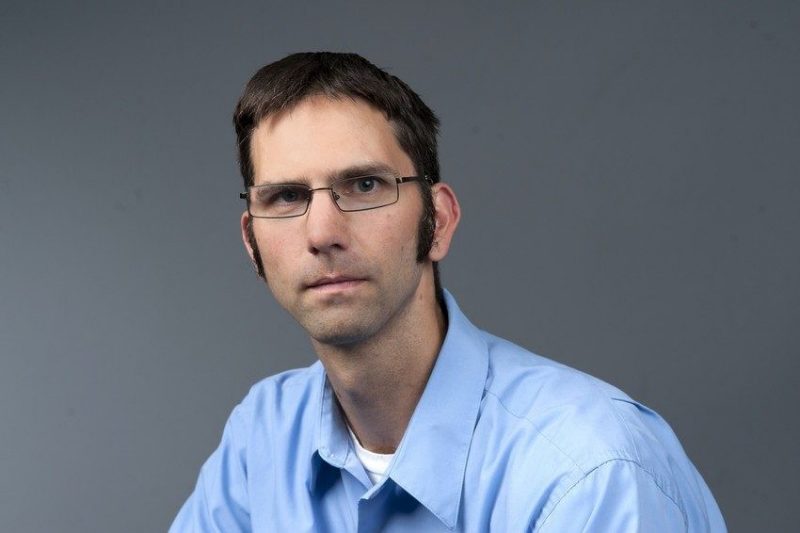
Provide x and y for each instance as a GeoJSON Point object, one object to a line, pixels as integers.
{"type": "Point", "coordinates": [322, 136]}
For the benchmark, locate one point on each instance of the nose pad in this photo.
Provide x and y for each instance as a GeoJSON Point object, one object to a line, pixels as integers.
{"type": "Point", "coordinates": [335, 197]}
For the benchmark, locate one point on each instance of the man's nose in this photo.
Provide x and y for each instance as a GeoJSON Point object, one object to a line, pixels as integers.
{"type": "Point", "coordinates": [326, 225]}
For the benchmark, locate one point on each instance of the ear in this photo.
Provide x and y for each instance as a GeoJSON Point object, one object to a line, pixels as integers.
{"type": "Point", "coordinates": [448, 213]}
{"type": "Point", "coordinates": [245, 221]}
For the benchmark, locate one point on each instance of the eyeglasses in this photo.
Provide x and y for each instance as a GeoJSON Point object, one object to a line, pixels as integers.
{"type": "Point", "coordinates": [286, 200]}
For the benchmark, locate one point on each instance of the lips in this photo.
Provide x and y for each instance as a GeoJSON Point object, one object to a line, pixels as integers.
{"type": "Point", "coordinates": [334, 281]}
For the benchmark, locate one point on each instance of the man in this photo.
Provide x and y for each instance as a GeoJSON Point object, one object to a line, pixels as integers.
{"type": "Point", "coordinates": [413, 419]}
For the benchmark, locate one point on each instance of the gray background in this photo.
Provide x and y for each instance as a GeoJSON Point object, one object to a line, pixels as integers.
{"type": "Point", "coordinates": [628, 173]}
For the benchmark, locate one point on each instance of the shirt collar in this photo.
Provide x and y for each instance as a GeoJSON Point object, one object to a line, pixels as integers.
{"type": "Point", "coordinates": [332, 441]}
{"type": "Point", "coordinates": [431, 460]}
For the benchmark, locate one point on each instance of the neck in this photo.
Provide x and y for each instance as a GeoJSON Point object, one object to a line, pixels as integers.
{"type": "Point", "coordinates": [379, 382]}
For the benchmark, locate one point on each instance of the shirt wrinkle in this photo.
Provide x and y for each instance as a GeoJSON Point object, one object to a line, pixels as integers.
{"type": "Point", "coordinates": [613, 409]}
{"type": "Point", "coordinates": [539, 431]}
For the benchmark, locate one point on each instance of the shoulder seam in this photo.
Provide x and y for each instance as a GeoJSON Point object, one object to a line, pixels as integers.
{"type": "Point", "coordinates": [649, 474]}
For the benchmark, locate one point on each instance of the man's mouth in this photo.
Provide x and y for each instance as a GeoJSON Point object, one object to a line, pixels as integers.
{"type": "Point", "coordinates": [333, 283]}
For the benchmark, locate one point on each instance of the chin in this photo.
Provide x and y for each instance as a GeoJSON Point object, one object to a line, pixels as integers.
{"type": "Point", "coordinates": [339, 333]}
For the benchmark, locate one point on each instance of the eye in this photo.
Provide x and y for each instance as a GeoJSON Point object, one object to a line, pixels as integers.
{"type": "Point", "coordinates": [287, 194]}
{"type": "Point", "coordinates": [367, 184]}
{"type": "Point", "coordinates": [281, 194]}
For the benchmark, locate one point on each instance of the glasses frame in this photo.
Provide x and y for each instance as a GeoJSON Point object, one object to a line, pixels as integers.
{"type": "Point", "coordinates": [398, 181]}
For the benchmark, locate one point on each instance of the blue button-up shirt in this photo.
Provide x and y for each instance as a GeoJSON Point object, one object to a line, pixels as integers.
{"type": "Point", "coordinates": [501, 440]}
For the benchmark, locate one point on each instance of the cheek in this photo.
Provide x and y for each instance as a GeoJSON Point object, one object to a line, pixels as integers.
{"type": "Point", "coordinates": [388, 239]}
{"type": "Point", "coordinates": [275, 250]}
{"type": "Point", "coordinates": [399, 237]}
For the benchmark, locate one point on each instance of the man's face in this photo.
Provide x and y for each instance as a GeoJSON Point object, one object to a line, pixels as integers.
{"type": "Point", "coordinates": [371, 256]}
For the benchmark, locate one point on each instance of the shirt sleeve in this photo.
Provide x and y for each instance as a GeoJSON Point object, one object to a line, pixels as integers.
{"type": "Point", "coordinates": [617, 496]}
{"type": "Point", "coordinates": [219, 501]}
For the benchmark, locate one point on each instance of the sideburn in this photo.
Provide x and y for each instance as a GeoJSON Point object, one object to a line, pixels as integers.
{"type": "Point", "coordinates": [425, 237]}
{"type": "Point", "coordinates": [251, 240]}
{"type": "Point", "coordinates": [427, 224]}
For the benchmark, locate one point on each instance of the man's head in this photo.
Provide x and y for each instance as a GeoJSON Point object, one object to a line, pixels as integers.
{"type": "Point", "coordinates": [282, 85]}
{"type": "Point", "coordinates": [311, 119]}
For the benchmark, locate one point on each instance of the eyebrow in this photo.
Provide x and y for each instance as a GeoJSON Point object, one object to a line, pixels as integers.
{"type": "Point", "coordinates": [364, 169]}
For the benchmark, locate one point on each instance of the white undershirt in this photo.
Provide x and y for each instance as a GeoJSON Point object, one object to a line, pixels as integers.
{"type": "Point", "coordinates": [376, 464]}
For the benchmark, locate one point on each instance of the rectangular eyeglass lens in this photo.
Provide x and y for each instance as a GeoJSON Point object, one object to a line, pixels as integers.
{"type": "Point", "coordinates": [279, 200]}
{"type": "Point", "coordinates": [365, 192]}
